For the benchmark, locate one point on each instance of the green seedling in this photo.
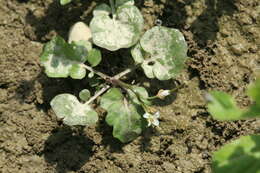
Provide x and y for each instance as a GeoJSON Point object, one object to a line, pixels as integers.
{"type": "Point", "coordinates": [243, 154]}
{"type": "Point", "coordinates": [160, 52]}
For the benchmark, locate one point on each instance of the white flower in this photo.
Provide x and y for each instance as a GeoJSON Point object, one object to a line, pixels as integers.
{"type": "Point", "coordinates": [152, 118]}
{"type": "Point", "coordinates": [163, 93]}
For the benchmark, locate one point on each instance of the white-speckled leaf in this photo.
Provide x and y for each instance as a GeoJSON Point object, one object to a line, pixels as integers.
{"type": "Point", "coordinates": [137, 53]}
{"type": "Point", "coordinates": [162, 52]}
{"type": "Point", "coordinates": [123, 31]}
{"type": "Point", "coordinates": [61, 59]}
{"type": "Point", "coordinates": [123, 115]}
{"type": "Point", "coordinates": [72, 112]}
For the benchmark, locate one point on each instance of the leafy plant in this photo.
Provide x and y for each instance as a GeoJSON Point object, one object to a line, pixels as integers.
{"type": "Point", "coordinates": [160, 52]}
{"type": "Point", "coordinates": [243, 154]}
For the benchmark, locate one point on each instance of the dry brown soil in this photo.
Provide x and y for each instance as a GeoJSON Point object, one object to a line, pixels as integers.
{"type": "Point", "coordinates": [224, 40]}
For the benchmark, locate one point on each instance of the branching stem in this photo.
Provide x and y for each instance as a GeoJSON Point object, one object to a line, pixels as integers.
{"type": "Point", "coordinates": [97, 94]}
{"type": "Point", "coordinates": [115, 80]}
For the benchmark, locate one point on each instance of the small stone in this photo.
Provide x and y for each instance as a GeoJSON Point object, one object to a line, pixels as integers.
{"type": "Point", "coordinates": [79, 31]}
{"type": "Point", "coordinates": [238, 49]}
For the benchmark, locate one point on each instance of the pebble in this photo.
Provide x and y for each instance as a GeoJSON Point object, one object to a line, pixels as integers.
{"type": "Point", "coordinates": [79, 31]}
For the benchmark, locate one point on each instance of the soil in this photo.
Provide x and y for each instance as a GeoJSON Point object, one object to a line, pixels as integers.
{"type": "Point", "coordinates": [224, 47]}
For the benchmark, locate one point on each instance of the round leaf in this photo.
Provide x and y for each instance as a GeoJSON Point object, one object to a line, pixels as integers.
{"type": "Point", "coordinates": [161, 52]}
{"type": "Point", "coordinates": [68, 108]}
{"type": "Point", "coordinates": [94, 57]}
{"type": "Point", "coordinates": [123, 31]}
{"type": "Point", "coordinates": [84, 95]}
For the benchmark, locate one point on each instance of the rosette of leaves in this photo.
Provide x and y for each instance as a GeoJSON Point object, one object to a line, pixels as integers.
{"type": "Point", "coordinates": [72, 112]}
{"type": "Point", "coordinates": [61, 59]}
{"type": "Point", "coordinates": [161, 52]}
{"type": "Point", "coordinates": [122, 30]}
{"type": "Point", "coordinates": [124, 114]}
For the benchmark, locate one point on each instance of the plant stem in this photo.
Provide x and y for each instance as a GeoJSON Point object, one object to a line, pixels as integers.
{"type": "Point", "coordinates": [125, 72]}
{"type": "Point", "coordinates": [112, 5]}
{"type": "Point", "coordinates": [97, 94]}
{"type": "Point", "coordinates": [102, 75]}
{"type": "Point", "coordinates": [114, 79]}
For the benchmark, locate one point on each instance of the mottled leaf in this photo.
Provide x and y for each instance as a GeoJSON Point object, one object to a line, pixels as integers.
{"type": "Point", "coordinates": [72, 112]}
{"type": "Point", "coordinates": [239, 156]}
{"type": "Point", "coordinates": [123, 115]}
{"type": "Point", "coordinates": [61, 59]}
{"type": "Point", "coordinates": [162, 52]}
{"type": "Point", "coordinates": [121, 31]}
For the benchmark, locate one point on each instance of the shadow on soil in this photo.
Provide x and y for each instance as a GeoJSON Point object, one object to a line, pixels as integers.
{"type": "Point", "coordinates": [205, 27]}
{"type": "Point", "coordinates": [56, 18]}
{"type": "Point", "coordinates": [67, 150]}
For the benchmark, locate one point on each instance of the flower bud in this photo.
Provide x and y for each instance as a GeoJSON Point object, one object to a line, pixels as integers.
{"type": "Point", "coordinates": [163, 93]}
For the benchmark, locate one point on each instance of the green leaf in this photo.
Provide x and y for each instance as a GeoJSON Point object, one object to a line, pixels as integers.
{"type": "Point", "coordinates": [138, 95]}
{"type": "Point", "coordinates": [124, 2]}
{"type": "Point", "coordinates": [162, 52]}
{"type": "Point", "coordinates": [239, 156]}
{"type": "Point", "coordinates": [84, 43]}
{"type": "Point", "coordinates": [254, 92]}
{"type": "Point", "coordinates": [121, 31]}
{"type": "Point", "coordinates": [123, 115]}
{"type": "Point", "coordinates": [223, 107]}
{"type": "Point", "coordinates": [64, 2]}
{"type": "Point", "coordinates": [102, 9]}
{"type": "Point", "coordinates": [84, 95]}
{"type": "Point", "coordinates": [68, 108]}
{"type": "Point", "coordinates": [94, 57]}
{"type": "Point", "coordinates": [61, 59]}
